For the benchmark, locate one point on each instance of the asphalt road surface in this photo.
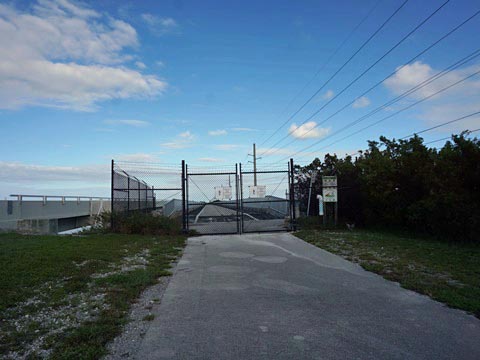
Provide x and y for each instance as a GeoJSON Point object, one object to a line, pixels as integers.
{"type": "Point", "coordinates": [273, 296]}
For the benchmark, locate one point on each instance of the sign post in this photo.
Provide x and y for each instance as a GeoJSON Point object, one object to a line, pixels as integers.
{"type": "Point", "coordinates": [330, 195]}
{"type": "Point", "coordinates": [320, 205]}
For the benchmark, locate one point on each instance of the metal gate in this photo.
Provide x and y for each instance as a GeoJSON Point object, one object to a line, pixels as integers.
{"type": "Point", "coordinates": [235, 200]}
{"type": "Point", "coordinates": [209, 200]}
{"type": "Point", "coordinates": [267, 201]}
{"type": "Point", "coordinates": [212, 205]}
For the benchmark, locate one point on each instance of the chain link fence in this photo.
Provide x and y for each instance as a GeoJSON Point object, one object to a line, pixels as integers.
{"type": "Point", "coordinates": [208, 200]}
{"type": "Point", "coordinates": [147, 187]}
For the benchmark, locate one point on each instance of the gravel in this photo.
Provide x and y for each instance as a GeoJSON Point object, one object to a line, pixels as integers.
{"type": "Point", "coordinates": [127, 344]}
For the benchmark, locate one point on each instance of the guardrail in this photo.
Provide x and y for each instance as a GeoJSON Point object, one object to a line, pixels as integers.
{"type": "Point", "coordinates": [21, 197]}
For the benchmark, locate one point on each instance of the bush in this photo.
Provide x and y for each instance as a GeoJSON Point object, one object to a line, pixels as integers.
{"type": "Point", "coordinates": [405, 185]}
{"type": "Point", "coordinates": [145, 224]}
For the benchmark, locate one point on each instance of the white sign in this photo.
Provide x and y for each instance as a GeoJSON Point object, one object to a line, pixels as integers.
{"type": "Point", "coordinates": [223, 192]}
{"type": "Point", "coordinates": [320, 205]}
{"type": "Point", "coordinates": [330, 194]}
{"type": "Point", "coordinates": [259, 191]}
{"type": "Point", "coordinates": [329, 181]}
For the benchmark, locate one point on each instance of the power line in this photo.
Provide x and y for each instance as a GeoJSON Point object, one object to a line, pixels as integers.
{"type": "Point", "coordinates": [392, 115]}
{"type": "Point", "coordinates": [442, 124]}
{"type": "Point", "coordinates": [431, 128]}
{"type": "Point", "coordinates": [322, 68]}
{"type": "Point", "coordinates": [401, 96]}
{"type": "Point", "coordinates": [390, 75]}
{"type": "Point", "coordinates": [468, 132]}
{"type": "Point", "coordinates": [348, 60]}
{"type": "Point", "coordinates": [370, 67]}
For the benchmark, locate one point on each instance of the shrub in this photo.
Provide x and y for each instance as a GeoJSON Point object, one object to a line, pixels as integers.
{"type": "Point", "coordinates": [145, 224]}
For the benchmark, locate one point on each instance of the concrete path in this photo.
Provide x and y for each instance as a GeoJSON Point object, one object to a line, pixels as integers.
{"type": "Point", "coordinates": [274, 296]}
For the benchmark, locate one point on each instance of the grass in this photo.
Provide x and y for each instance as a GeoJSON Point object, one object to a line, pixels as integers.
{"type": "Point", "coordinates": [67, 297]}
{"type": "Point", "coordinates": [149, 317]}
{"type": "Point", "coordinates": [447, 272]}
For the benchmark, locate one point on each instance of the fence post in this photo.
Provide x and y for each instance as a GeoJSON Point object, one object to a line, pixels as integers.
{"type": "Point", "coordinates": [187, 196]}
{"type": "Point", "coordinates": [128, 194]}
{"type": "Point", "coordinates": [154, 207]}
{"type": "Point", "coordinates": [146, 199]}
{"type": "Point", "coordinates": [292, 195]}
{"type": "Point", "coordinates": [184, 219]}
{"type": "Point", "coordinates": [139, 196]}
{"type": "Point", "coordinates": [239, 228]}
{"type": "Point", "coordinates": [112, 195]}
{"type": "Point", "coordinates": [241, 199]}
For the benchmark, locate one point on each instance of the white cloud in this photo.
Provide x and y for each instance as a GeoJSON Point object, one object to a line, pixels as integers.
{"type": "Point", "coordinates": [243, 129]}
{"type": "Point", "coordinates": [217, 132]}
{"type": "Point", "coordinates": [284, 152]}
{"type": "Point", "coordinates": [66, 55]}
{"type": "Point", "coordinates": [211, 160]}
{"type": "Point", "coordinates": [140, 157]}
{"type": "Point", "coordinates": [308, 131]}
{"type": "Point", "coordinates": [181, 141]}
{"type": "Point", "coordinates": [455, 102]}
{"type": "Point", "coordinates": [361, 102]}
{"type": "Point", "coordinates": [140, 65]}
{"type": "Point", "coordinates": [134, 123]}
{"type": "Point", "coordinates": [187, 135]}
{"type": "Point", "coordinates": [160, 25]}
{"type": "Point", "coordinates": [160, 63]}
{"type": "Point", "coordinates": [226, 147]}
{"type": "Point", "coordinates": [13, 172]}
{"type": "Point", "coordinates": [328, 95]}
{"type": "Point", "coordinates": [86, 180]}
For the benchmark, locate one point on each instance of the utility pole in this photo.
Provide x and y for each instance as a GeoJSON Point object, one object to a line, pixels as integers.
{"type": "Point", "coordinates": [254, 164]}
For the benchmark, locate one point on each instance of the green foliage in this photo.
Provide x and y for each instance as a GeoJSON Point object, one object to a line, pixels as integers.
{"type": "Point", "coordinates": [145, 224]}
{"type": "Point", "coordinates": [405, 185]}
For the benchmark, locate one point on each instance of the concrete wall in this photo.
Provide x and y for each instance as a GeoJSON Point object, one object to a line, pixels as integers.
{"type": "Point", "coordinates": [51, 217]}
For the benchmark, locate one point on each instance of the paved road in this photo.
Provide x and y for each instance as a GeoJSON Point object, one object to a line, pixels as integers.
{"type": "Point", "coordinates": [276, 297]}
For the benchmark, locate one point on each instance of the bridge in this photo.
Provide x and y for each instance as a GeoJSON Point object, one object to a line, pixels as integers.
{"type": "Point", "coordinates": [49, 214]}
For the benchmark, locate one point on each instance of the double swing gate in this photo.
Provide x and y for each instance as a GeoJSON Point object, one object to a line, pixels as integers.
{"type": "Point", "coordinates": [207, 200]}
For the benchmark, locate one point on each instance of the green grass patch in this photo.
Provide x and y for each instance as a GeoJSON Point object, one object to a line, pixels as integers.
{"type": "Point", "coordinates": [75, 291]}
{"type": "Point", "coordinates": [447, 272]}
{"type": "Point", "coordinates": [149, 317]}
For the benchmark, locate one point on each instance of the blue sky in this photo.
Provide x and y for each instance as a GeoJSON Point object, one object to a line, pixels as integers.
{"type": "Point", "coordinates": [82, 82]}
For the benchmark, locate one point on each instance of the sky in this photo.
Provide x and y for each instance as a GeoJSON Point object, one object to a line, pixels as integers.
{"type": "Point", "coordinates": [82, 83]}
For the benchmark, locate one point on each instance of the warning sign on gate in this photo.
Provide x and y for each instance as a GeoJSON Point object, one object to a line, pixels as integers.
{"type": "Point", "coordinates": [259, 191]}
{"type": "Point", "coordinates": [223, 193]}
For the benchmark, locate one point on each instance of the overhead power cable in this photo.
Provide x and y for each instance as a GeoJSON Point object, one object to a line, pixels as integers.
{"type": "Point", "coordinates": [431, 128]}
{"type": "Point", "coordinates": [442, 124]}
{"type": "Point", "coordinates": [387, 77]}
{"type": "Point", "coordinates": [371, 66]}
{"type": "Point", "coordinates": [348, 61]}
{"type": "Point", "coordinates": [417, 87]}
{"type": "Point", "coordinates": [468, 132]}
{"type": "Point", "coordinates": [321, 69]}
{"type": "Point", "coordinates": [391, 115]}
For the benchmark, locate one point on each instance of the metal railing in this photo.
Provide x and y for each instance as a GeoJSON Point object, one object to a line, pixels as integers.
{"type": "Point", "coordinates": [63, 198]}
